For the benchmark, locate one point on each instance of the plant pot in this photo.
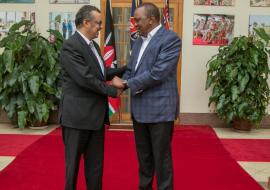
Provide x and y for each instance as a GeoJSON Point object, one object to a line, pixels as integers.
{"type": "Point", "coordinates": [242, 125]}
{"type": "Point", "coordinates": [38, 125]}
{"type": "Point", "coordinates": [53, 117]}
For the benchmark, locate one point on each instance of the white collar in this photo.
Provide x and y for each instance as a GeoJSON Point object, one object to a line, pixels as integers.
{"type": "Point", "coordinates": [152, 33]}
{"type": "Point", "coordinates": [85, 38]}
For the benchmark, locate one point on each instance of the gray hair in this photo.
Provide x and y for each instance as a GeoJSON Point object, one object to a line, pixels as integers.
{"type": "Point", "coordinates": [85, 13]}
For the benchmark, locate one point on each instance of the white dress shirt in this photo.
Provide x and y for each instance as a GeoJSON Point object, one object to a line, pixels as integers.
{"type": "Point", "coordinates": [92, 46]}
{"type": "Point", "coordinates": [145, 43]}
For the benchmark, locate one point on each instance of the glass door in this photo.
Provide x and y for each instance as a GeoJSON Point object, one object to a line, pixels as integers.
{"type": "Point", "coordinates": [121, 10]}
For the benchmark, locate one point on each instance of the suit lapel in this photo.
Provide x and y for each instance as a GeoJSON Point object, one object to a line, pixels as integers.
{"type": "Point", "coordinates": [91, 54]}
{"type": "Point", "coordinates": [152, 42]}
{"type": "Point", "coordinates": [135, 52]}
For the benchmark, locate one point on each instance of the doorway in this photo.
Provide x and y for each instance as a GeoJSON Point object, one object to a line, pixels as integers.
{"type": "Point", "coordinates": [121, 10]}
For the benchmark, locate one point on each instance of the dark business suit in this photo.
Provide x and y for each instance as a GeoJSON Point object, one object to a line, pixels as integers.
{"type": "Point", "coordinates": [154, 105]}
{"type": "Point", "coordinates": [84, 110]}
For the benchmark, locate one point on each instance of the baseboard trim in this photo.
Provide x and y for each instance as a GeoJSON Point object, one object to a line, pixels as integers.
{"type": "Point", "coordinates": [3, 117]}
{"type": "Point", "coordinates": [212, 120]}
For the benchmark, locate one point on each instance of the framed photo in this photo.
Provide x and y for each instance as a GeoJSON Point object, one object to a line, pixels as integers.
{"type": "Point", "coordinates": [8, 18]}
{"type": "Point", "coordinates": [70, 1]}
{"type": "Point", "coordinates": [215, 2]}
{"type": "Point", "coordinates": [259, 3]}
{"type": "Point", "coordinates": [259, 21]}
{"type": "Point", "coordinates": [17, 1]}
{"type": "Point", "coordinates": [64, 22]}
{"type": "Point", "coordinates": [212, 30]}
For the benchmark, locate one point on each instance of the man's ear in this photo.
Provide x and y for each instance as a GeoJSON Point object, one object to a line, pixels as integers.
{"type": "Point", "coordinates": [86, 23]}
{"type": "Point", "coordinates": [152, 20]}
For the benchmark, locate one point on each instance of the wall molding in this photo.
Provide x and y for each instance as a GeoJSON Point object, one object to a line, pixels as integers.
{"type": "Point", "coordinates": [211, 119]}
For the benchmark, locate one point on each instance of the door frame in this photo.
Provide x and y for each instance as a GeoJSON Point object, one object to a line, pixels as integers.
{"type": "Point", "coordinates": [177, 25]}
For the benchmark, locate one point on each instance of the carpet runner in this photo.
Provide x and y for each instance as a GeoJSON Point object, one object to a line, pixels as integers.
{"type": "Point", "coordinates": [12, 145]}
{"type": "Point", "coordinates": [249, 150]}
{"type": "Point", "coordinates": [200, 162]}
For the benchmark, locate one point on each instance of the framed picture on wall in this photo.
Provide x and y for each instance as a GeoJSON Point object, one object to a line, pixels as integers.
{"type": "Point", "coordinates": [70, 1]}
{"type": "Point", "coordinates": [215, 2]}
{"type": "Point", "coordinates": [8, 18]}
{"type": "Point", "coordinates": [260, 3]}
{"type": "Point", "coordinates": [212, 30]}
{"type": "Point", "coordinates": [259, 21]}
{"type": "Point", "coordinates": [64, 22]}
{"type": "Point", "coordinates": [17, 1]}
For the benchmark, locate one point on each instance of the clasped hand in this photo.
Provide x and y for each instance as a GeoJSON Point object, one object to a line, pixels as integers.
{"type": "Point", "coordinates": [118, 83]}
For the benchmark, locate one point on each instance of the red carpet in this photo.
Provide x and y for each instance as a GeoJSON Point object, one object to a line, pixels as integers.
{"type": "Point", "coordinates": [200, 163]}
{"type": "Point", "coordinates": [252, 150]}
{"type": "Point", "coordinates": [12, 145]}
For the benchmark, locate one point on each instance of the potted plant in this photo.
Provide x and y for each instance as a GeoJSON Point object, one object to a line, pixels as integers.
{"type": "Point", "coordinates": [238, 76]}
{"type": "Point", "coordinates": [29, 74]}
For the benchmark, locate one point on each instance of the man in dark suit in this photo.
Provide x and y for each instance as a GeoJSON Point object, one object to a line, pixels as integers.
{"type": "Point", "coordinates": [84, 103]}
{"type": "Point", "coordinates": [151, 77]}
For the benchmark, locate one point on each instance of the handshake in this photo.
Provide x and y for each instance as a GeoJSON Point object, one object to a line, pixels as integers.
{"type": "Point", "coordinates": [119, 84]}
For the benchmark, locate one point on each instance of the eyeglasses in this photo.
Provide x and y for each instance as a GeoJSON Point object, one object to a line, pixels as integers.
{"type": "Point", "coordinates": [95, 21]}
{"type": "Point", "coordinates": [98, 22]}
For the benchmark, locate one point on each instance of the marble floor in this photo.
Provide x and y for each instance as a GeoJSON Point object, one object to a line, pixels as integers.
{"type": "Point", "coordinates": [260, 171]}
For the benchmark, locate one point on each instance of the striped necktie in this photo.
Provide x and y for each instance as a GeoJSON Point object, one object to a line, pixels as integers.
{"type": "Point", "coordinates": [91, 44]}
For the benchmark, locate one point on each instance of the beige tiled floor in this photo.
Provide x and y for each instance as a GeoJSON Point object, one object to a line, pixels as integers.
{"type": "Point", "coordinates": [260, 171]}
{"type": "Point", "coordinates": [257, 133]}
{"type": "Point", "coordinates": [5, 160]}
{"type": "Point", "coordinates": [9, 129]}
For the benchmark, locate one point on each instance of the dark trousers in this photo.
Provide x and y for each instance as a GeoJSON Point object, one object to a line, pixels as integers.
{"type": "Point", "coordinates": [90, 145]}
{"type": "Point", "coordinates": [153, 145]}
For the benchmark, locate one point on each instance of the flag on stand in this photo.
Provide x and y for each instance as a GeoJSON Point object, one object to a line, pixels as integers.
{"type": "Point", "coordinates": [110, 54]}
{"type": "Point", "coordinates": [166, 14]}
{"type": "Point", "coordinates": [133, 32]}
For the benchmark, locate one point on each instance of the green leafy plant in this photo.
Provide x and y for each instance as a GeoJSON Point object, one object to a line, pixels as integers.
{"type": "Point", "coordinates": [29, 74]}
{"type": "Point", "coordinates": [238, 76]}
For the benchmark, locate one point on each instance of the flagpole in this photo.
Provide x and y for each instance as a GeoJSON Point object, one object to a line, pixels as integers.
{"type": "Point", "coordinates": [110, 53]}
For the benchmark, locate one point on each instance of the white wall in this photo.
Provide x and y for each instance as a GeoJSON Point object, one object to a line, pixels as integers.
{"type": "Point", "coordinates": [194, 99]}
{"type": "Point", "coordinates": [42, 9]}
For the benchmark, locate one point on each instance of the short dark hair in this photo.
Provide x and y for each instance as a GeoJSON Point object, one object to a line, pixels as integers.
{"type": "Point", "coordinates": [151, 10]}
{"type": "Point", "coordinates": [85, 13]}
